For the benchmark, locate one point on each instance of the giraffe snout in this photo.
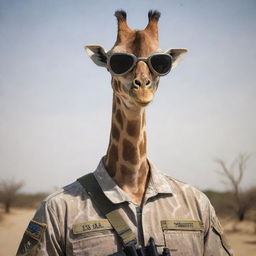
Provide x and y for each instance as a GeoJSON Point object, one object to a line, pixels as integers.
{"type": "Point", "coordinates": [141, 82]}
{"type": "Point", "coordinates": [142, 76]}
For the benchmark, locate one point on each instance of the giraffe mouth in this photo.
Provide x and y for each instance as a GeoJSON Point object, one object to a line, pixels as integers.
{"type": "Point", "coordinates": [142, 103]}
{"type": "Point", "coordinates": [142, 96]}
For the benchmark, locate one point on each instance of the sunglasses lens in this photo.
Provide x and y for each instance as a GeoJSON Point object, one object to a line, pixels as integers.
{"type": "Point", "coordinates": [161, 63]}
{"type": "Point", "coordinates": [120, 63]}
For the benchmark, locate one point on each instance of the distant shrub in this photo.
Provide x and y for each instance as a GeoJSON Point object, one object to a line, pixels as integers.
{"type": "Point", "coordinates": [242, 200]}
{"type": "Point", "coordinates": [8, 192]}
{"type": "Point", "coordinates": [221, 201]}
{"type": "Point", "coordinates": [224, 202]}
{"type": "Point", "coordinates": [29, 200]}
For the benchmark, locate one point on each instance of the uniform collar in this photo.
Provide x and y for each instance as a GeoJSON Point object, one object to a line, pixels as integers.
{"type": "Point", "coordinates": [158, 184]}
{"type": "Point", "coordinates": [108, 186]}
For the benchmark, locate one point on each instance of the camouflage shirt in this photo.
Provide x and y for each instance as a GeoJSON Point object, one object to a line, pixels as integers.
{"type": "Point", "coordinates": [175, 214]}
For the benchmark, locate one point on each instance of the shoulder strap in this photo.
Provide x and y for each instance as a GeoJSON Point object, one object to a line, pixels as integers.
{"type": "Point", "coordinates": [113, 212]}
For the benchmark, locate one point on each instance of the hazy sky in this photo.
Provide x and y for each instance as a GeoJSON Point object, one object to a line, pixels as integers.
{"type": "Point", "coordinates": [55, 104]}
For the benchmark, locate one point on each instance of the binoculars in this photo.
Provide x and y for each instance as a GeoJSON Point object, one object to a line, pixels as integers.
{"type": "Point", "coordinates": [149, 250]}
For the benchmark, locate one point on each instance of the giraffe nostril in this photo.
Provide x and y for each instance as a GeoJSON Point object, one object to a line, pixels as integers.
{"type": "Point", "coordinates": [137, 83]}
{"type": "Point", "coordinates": [148, 83]}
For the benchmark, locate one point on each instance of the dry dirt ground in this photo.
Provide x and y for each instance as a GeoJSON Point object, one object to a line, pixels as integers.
{"type": "Point", "coordinates": [243, 240]}
{"type": "Point", "coordinates": [13, 225]}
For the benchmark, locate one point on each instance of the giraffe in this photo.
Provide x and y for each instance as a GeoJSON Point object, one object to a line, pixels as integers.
{"type": "Point", "coordinates": [126, 158]}
{"type": "Point", "coordinates": [156, 207]}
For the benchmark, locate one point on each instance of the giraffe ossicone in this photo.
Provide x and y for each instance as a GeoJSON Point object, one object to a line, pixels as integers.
{"type": "Point", "coordinates": [136, 63]}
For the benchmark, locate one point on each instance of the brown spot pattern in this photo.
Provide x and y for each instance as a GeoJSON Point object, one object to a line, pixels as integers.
{"type": "Point", "coordinates": [125, 171]}
{"type": "Point", "coordinates": [119, 118]}
{"type": "Point", "coordinates": [112, 160]}
{"type": "Point", "coordinates": [115, 132]}
{"type": "Point", "coordinates": [130, 153]}
{"type": "Point", "coordinates": [133, 128]}
{"type": "Point", "coordinates": [114, 106]}
{"type": "Point", "coordinates": [126, 174]}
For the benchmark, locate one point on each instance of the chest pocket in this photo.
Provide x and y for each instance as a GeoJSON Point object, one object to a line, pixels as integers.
{"type": "Point", "coordinates": [183, 237]}
{"type": "Point", "coordinates": [99, 244]}
{"type": "Point", "coordinates": [94, 238]}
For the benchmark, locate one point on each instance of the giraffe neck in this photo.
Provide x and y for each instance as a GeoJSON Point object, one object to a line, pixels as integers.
{"type": "Point", "coordinates": [126, 158]}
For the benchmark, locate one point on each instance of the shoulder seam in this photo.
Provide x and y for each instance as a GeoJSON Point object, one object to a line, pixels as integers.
{"type": "Point", "coordinates": [56, 193]}
{"type": "Point", "coordinates": [173, 179]}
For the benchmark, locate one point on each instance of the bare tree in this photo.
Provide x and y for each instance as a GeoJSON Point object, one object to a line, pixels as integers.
{"type": "Point", "coordinates": [8, 192]}
{"type": "Point", "coordinates": [234, 175]}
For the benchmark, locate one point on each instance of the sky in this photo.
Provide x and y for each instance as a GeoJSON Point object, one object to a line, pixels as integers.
{"type": "Point", "coordinates": [55, 103]}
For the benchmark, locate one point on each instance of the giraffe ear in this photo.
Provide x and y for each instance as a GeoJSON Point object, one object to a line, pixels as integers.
{"type": "Point", "coordinates": [97, 54]}
{"type": "Point", "coordinates": [177, 56]}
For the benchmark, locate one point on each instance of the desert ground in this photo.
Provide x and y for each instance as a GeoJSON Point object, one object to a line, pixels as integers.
{"type": "Point", "coordinates": [12, 226]}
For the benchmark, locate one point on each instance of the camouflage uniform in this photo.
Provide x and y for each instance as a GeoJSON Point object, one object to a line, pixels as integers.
{"type": "Point", "coordinates": [175, 214]}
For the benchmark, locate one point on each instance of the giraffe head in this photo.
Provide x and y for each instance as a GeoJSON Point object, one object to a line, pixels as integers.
{"type": "Point", "coordinates": [135, 61]}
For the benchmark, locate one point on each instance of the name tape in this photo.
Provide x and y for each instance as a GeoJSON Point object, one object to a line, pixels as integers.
{"type": "Point", "coordinates": [91, 226]}
{"type": "Point", "coordinates": [195, 225]}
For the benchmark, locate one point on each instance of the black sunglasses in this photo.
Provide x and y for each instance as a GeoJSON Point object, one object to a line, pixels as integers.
{"type": "Point", "coordinates": [122, 63]}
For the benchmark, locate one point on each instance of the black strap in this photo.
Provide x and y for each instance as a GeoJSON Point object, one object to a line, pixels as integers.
{"type": "Point", "coordinates": [95, 192]}
{"type": "Point", "coordinates": [113, 212]}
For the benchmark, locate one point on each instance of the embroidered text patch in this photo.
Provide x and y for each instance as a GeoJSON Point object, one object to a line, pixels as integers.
{"type": "Point", "coordinates": [182, 225]}
{"type": "Point", "coordinates": [90, 226]}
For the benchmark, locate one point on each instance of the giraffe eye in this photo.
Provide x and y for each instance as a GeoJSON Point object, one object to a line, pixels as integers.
{"type": "Point", "coordinates": [121, 63]}
{"type": "Point", "coordinates": [161, 63]}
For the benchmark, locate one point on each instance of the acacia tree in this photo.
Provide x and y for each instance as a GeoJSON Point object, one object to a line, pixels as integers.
{"type": "Point", "coordinates": [8, 192]}
{"type": "Point", "coordinates": [233, 177]}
